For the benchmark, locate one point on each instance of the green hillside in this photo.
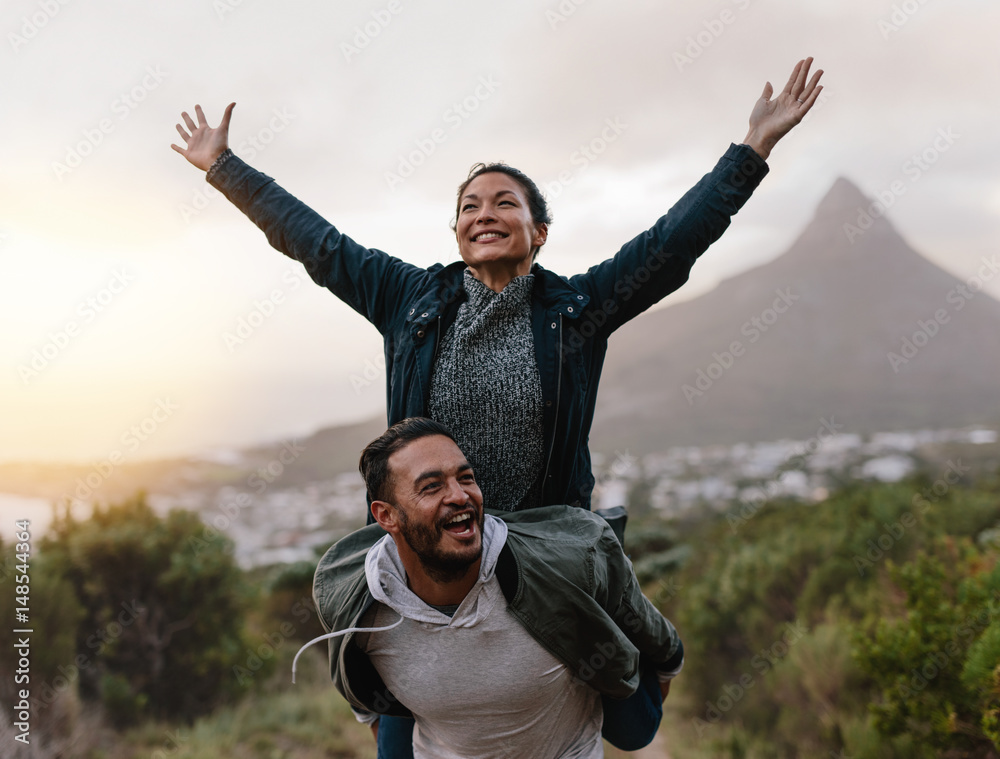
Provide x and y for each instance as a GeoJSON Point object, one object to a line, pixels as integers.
{"type": "Point", "coordinates": [862, 626]}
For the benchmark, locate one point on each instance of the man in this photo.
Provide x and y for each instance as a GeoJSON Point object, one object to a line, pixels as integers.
{"type": "Point", "coordinates": [498, 634]}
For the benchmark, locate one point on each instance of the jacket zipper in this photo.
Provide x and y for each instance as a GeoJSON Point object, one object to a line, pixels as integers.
{"type": "Point", "coordinates": [437, 342]}
{"type": "Point", "coordinates": [430, 379]}
{"type": "Point", "coordinates": [555, 421]}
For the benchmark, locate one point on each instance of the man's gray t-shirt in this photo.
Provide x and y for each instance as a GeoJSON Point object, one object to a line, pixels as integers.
{"type": "Point", "coordinates": [478, 684]}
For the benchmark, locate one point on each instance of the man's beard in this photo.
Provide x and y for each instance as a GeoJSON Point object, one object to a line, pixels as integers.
{"type": "Point", "coordinates": [424, 541]}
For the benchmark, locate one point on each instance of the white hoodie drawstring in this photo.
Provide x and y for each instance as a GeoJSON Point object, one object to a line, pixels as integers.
{"type": "Point", "coordinates": [341, 632]}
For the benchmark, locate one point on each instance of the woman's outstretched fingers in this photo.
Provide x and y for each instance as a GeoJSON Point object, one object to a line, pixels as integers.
{"type": "Point", "coordinates": [800, 80]}
{"type": "Point", "coordinates": [812, 86]}
{"type": "Point", "coordinates": [790, 85]}
{"type": "Point", "coordinates": [770, 120]}
{"type": "Point", "coordinates": [204, 143]}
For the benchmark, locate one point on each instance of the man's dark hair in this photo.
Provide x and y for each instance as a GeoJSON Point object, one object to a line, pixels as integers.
{"type": "Point", "coordinates": [374, 463]}
{"type": "Point", "coordinates": [536, 201]}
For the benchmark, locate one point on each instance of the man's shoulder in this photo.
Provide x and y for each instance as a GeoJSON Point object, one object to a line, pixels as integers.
{"type": "Point", "coordinates": [351, 550]}
{"type": "Point", "coordinates": [340, 581]}
{"type": "Point", "coordinates": [550, 519]}
{"type": "Point", "coordinates": [566, 532]}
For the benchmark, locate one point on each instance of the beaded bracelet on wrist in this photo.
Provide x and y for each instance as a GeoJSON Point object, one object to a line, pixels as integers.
{"type": "Point", "coordinates": [223, 157]}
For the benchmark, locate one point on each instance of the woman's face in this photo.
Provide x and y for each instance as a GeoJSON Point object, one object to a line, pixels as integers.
{"type": "Point", "coordinates": [494, 224]}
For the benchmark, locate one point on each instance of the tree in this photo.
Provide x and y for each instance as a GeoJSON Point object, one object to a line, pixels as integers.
{"type": "Point", "coordinates": [163, 621]}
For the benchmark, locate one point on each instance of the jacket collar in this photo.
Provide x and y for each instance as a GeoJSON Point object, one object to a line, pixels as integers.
{"type": "Point", "coordinates": [554, 293]}
{"type": "Point", "coordinates": [447, 289]}
{"type": "Point", "coordinates": [557, 294]}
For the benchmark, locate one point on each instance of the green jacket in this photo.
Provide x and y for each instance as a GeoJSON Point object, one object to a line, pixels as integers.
{"type": "Point", "coordinates": [566, 580]}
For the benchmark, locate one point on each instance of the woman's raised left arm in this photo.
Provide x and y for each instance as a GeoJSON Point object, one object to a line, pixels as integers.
{"type": "Point", "coordinates": [658, 261]}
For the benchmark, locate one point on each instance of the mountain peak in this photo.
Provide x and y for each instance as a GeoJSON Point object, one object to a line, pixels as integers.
{"type": "Point", "coordinates": [868, 340]}
{"type": "Point", "coordinates": [844, 217]}
{"type": "Point", "coordinates": [843, 197]}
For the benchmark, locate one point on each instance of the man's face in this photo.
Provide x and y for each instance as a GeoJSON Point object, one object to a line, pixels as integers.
{"type": "Point", "coordinates": [439, 506]}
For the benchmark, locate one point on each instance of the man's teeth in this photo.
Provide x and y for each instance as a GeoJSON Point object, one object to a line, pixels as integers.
{"type": "Point", "coordinates": [459, 519]}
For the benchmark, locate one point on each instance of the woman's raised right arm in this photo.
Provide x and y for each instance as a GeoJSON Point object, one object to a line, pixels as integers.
{"type": "Point", "coordinates": [372, 282]}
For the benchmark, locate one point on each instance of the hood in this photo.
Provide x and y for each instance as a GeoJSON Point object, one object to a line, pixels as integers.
{"type": "Point", "coordinates": [387, 581]}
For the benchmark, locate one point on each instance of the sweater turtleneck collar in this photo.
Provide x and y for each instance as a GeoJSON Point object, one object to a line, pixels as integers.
{"type": "Point", "coordinates": [517, 290]}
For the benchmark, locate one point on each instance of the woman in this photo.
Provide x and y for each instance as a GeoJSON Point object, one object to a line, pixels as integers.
{"type": "Point", "coordinates": [504, 352]}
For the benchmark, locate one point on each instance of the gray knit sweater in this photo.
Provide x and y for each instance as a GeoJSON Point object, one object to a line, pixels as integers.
{"type": "Point", "coordinates": [487, 389]}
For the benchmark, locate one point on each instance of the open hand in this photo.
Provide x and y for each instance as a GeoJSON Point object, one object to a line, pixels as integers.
{"type": "Point", "coordinates": [204, 144]}
{"type": "Point", "coordinates": [771, 120]}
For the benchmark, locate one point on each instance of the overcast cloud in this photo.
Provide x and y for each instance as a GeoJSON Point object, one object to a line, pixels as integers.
{"type": "Point", "coordinates": [125, 275]}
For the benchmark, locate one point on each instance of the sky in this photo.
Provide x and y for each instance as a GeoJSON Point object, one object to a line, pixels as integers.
{"type": "Point", "coordinates": [141, 315]}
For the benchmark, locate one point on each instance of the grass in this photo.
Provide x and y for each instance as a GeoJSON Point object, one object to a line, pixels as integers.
{"type": "Point", "coordinates": [308, 720]}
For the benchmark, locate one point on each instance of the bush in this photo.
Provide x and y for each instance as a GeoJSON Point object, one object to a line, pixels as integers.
{"type": "Point", "coordinates": [981, 676]}
{"type": "Point", "coordinates": [924, 661]}
{"type": "Point", "coordinates": [163, 612]}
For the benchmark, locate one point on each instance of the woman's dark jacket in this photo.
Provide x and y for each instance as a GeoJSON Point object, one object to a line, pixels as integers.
{"type": "Point", "coordinates": [571, 318]}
